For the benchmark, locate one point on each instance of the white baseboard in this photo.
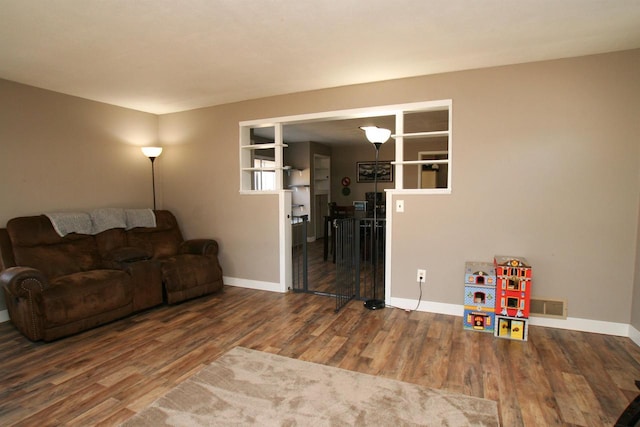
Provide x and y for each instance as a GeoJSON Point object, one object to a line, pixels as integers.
{"type": "Point", "coordinates": [253, 284]}
{"type": "Point", "coordinates": [427, 306]}
{"type": "Point", "coordinates": [4, 316]}
{"type": "Point", "coordinates": [634, 334]}
{"type": "Point", "coordinates": [583, 325]}
{"type": "Point", "coordinates": [572, 323]}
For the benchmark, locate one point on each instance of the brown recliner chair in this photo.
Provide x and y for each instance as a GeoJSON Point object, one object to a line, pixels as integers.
{"type": "Point", "coordinates": [189, 268]}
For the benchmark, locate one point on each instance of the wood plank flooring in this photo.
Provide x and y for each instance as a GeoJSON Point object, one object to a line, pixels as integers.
{"type": "Point", "coordinates": [322, 274]}
{"type": "Point", "coordinates": [104, 376]}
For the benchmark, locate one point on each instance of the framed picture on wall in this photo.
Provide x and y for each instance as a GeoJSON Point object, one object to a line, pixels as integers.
{"type": "Point", "coordinates": [365, 171]}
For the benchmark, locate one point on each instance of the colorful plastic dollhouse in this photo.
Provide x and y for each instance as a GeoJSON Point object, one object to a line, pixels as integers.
{"type": "Point", "coordinates": [513, 293]}
{"type": "Point", "coordinates": [479, 296]}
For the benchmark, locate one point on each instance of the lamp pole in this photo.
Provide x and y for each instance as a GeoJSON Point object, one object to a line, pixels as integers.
{"type": "Point", "coordinates": [377, 136]}
{"type": "Point", "coordinates": [153, 181]}
{"type": "Point", "coordinates": [376, 303]}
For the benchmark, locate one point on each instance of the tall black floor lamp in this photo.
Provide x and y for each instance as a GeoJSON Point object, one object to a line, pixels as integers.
{"type": "Point", "coordinates": [152, 153]}
{"type": "Point", "coordinates": [377, 136]}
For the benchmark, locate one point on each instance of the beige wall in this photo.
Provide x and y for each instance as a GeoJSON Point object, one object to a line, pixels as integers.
{"type": "Point", "coordinates": [61, 153]}
{"type": "Point", "coordinates": [545, 165]}
{"type": "Point", "coordinates": [635, 306]}
{"type": "Point", "coordinates": [534, 147]}
{"type": "Point", "coordinates": [202, 161]}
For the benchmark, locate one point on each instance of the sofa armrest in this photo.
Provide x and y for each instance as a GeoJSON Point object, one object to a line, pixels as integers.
{"type": "Point", "coordinates": [22, 282]}
{"type": "Point", "coordinates": [146, 278]}
{"type": "Point", "coordinates": [207, 247]}
{"type": "Point", "coordinates": [6, 250]}
{"type": "Point", "coordinates": [23, 287]}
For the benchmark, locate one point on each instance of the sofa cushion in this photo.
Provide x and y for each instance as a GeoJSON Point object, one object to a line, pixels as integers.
{"type": "Point", "coordinates": [85, 294]}
{"type": "Point", "coordinates": [36, 244]}
{"type": "Point", "coordinates": [109, 240]}
{"type": "Point", "coordinates": [162, 241]}
{"type": "Point", "coordinates": [187, 271]}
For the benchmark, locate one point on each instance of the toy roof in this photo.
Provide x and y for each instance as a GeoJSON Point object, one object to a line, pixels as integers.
{"type": "Point", "coordinates": [511, 261]}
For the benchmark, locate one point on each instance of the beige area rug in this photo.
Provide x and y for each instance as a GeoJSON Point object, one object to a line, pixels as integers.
{"type": "Point", "coordinates": [248, 387]}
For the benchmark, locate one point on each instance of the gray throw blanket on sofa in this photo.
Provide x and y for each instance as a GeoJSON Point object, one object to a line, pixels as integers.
{"type": "Point", "coordinates": [70, 222]}
{"type": "Point", "coordinates": [100, 220]}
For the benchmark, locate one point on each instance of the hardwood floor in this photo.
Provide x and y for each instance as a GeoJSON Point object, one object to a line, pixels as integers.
{"type": "Point", "coordinates": [104, 376]}
{"type": "Point", "coordinates": [322, 273]}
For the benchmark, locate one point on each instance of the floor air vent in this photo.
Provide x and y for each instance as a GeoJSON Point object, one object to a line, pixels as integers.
{"type": "Point", "coordinates": [548, 308]}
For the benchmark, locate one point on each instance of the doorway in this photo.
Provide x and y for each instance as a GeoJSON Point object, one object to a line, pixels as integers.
{"type": "Point", "coordinates": [354, 268]}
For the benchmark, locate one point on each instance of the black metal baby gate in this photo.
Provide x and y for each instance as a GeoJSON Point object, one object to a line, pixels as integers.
{"type": "Point", "coordinates": [299, 254]}
{"type": "Point", "coordinates": [359, 247]}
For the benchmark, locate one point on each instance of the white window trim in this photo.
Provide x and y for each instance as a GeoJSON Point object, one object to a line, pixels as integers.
{"type": "Point", "coordinates": [400, 136]}
{"type": "Point", "coordinates": [396, 110]}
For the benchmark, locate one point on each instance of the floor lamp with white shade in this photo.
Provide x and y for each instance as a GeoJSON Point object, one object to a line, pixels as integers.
{"type": "Point", "coordinates": [377, 136]}
{"type": "Point", "coordinates": [152, 153]}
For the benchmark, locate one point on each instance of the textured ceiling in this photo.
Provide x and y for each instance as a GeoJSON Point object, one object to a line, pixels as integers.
{"type": "Point", "coordinates": [164, 56]}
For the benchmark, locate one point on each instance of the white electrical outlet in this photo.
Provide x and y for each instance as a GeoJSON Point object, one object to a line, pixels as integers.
{"type": "Point", "coordinates": [399, 205]}
{"type": "Point", "coordinates": [422, 275]}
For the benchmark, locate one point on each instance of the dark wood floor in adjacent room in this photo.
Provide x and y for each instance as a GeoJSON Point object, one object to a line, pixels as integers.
{"type": "Point", "coordinates": [104, 376]}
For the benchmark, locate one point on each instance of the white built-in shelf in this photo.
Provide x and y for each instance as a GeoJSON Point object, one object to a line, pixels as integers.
{"type": "Point", "coordinates": [285, 168]}
{"type": "Point", "coordinates": [262, 146]}
{"type": "Point", "coordinates": [421, 162]}
{"type": "Point", "coordinates": [321, 176]}
{"type": "Point", "coordinates": [433, 134]}
{"type": "Point", "coordinates": [259, 169]}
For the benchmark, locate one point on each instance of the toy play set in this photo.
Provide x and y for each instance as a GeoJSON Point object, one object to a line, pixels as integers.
{"type": "Point", "coordinates": [496, 297]}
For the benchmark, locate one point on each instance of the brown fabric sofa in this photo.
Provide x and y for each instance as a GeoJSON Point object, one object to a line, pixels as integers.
{"type": "Point", "coordinates": [57, 286]}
